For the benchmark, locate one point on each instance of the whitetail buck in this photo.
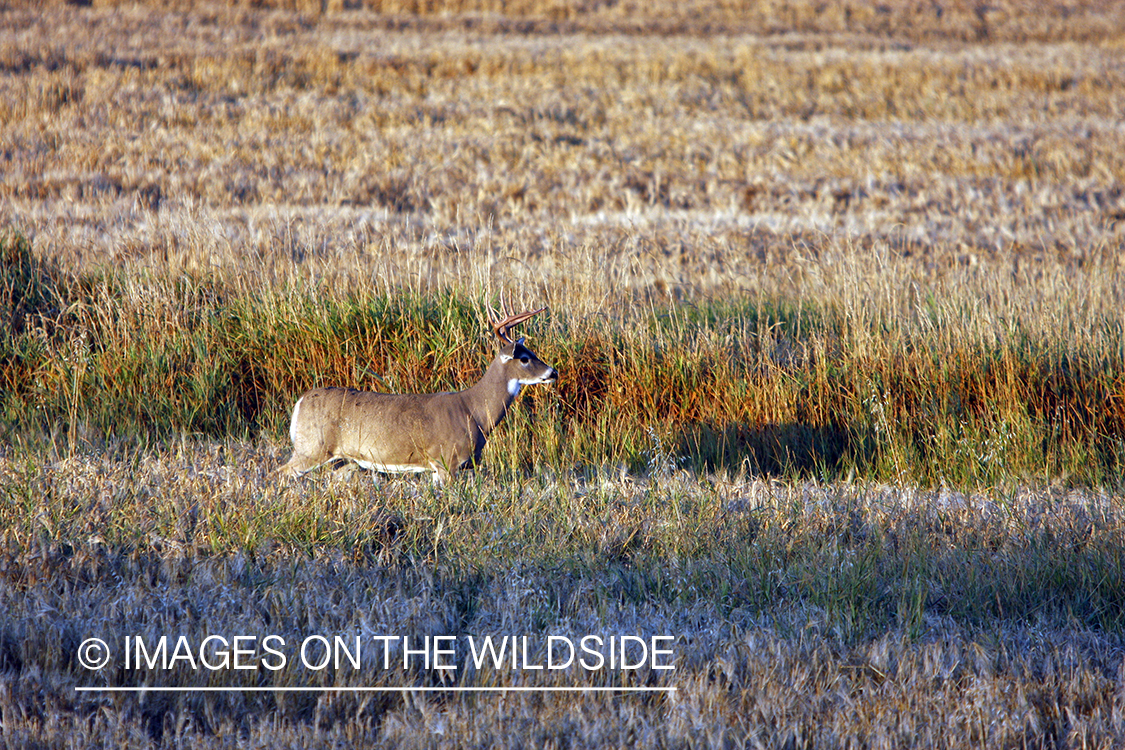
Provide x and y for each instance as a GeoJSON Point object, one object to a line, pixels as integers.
{"type": "Point", "coordinates": [438, 432]}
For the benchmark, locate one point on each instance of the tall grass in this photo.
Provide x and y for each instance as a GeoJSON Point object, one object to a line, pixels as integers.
{"type": "Point", "coordinates": [878, 379]}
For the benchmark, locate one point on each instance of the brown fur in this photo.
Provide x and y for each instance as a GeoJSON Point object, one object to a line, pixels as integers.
{"type": "Point", "coordinates": [438, 432]}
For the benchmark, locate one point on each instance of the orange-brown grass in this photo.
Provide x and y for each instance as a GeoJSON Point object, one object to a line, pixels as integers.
{"type": "Point", "coordinates": [861, 374]}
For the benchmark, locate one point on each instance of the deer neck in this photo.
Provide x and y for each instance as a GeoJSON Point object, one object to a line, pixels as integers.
{"type": "Point", "coordinates": [490, 398]}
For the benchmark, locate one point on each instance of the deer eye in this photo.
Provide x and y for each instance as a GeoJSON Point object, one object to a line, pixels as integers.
{"type": "Point", "coordinates": [525, 359]}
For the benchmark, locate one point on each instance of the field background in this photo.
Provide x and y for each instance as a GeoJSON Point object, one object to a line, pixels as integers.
{"type": "Point", "coordinates": [836, 298]}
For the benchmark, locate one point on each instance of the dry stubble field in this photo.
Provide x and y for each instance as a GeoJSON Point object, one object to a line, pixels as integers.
{"type": "Point", "coordinates": [836, 297]}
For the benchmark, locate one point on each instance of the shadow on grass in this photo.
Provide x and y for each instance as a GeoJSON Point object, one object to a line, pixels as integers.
{"type": "Point", "coordinates": [791, 449]}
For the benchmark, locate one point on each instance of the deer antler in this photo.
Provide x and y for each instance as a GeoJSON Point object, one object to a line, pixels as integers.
{"type": "Point", "coordinates": [501, 327]}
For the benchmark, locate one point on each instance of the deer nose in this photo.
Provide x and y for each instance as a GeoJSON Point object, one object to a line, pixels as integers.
{"type": "Point", "coordinates": [552, 376]}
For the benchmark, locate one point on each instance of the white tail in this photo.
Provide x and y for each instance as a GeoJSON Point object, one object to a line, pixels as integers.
{"type": "Point", "coordinates": [438, 432]}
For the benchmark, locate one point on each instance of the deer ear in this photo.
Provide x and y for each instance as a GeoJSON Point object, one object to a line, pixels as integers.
{"type": "Point", "coordinates": [505, 357]}
{"type": "Point", "coordinates": [520, 341]}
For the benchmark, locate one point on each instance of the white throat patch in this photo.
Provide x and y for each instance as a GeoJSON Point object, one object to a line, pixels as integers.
{"type": "Point", "coordinates": [514, 387]}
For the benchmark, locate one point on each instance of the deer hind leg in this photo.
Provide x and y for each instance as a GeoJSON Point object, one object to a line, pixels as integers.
{"type": "Point", "coordinates": [299, 464]}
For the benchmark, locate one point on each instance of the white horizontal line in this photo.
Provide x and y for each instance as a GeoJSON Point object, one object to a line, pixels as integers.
{"type": "Point", "coordinates": [356, 689]}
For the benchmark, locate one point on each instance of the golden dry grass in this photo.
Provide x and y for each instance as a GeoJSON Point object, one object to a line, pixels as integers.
{"type": "Point", "coordinates": [809, 615]}
{"type": "Point", "coordinates": [407, 150]}
{"type": "Point", "coordinates": [783, 243]}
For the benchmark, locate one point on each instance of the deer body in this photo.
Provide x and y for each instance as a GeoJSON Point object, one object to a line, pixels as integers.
{"type": "Point", "coordinates": [394, 433]}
